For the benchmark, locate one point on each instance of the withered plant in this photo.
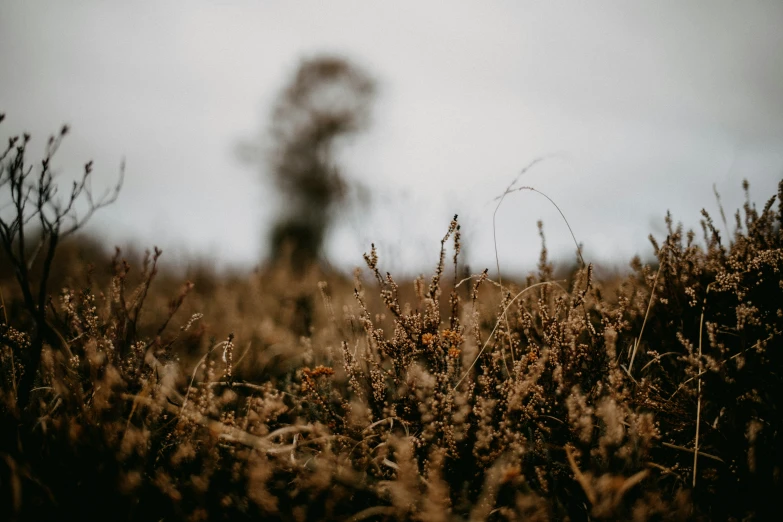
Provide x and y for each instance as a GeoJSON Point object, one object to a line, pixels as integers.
{"type": "Point", "coordinates": [651, 397]}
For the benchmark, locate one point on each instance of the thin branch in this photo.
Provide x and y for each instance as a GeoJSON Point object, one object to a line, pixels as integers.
{"type": "Point", "coordinates": [698, 400]}
{"type": "Point", "coordinates": [688, 450]}
{"type": "Point", "coordinates": [500, 199]}
{"type": "Point", "coordinates": [644, 323]}
{"type": "Point", "coordinates": [467, 372]}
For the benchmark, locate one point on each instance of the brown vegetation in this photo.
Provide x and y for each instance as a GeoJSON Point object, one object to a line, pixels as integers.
{"type": "Point", "coordinates": [289, 397]}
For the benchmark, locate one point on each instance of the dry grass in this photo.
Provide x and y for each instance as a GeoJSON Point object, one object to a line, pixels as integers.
{"type": "Point", "coordinates": [312, 397]}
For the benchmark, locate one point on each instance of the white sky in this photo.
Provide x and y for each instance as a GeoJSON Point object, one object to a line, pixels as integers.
{"type": "Point", "coordinates": [645, 106]}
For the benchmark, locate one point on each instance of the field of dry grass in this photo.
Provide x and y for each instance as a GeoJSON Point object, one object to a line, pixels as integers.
{"type": "Point", "coordinates": [286, 395]}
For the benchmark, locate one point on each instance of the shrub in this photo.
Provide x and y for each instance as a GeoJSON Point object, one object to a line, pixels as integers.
{"type": "Point", "coordinates": [652, 398]}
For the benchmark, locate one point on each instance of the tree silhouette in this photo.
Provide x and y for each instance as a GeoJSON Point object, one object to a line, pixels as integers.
{"type": "Point", "coordinates": [327, 99]}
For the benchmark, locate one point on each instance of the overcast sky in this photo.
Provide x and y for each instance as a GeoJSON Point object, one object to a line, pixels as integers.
{"type": "Point", "coordinates": [641, 106]}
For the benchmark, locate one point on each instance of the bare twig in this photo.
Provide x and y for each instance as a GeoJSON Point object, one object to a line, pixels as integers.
{"type": "Point", "coordinates": [644, 323]}
{"type": "Point", "coordinates": [689, 450]}
{"type": "Point", "coordinates": [698, 400]}
{"type": "Point", "coordinates": [35, 197]}
{"type": "Point", "coordinates": [467, 372]}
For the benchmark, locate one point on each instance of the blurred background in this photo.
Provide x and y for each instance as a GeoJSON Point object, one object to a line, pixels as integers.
{"type": "Point", "coordinates": [244, 123]}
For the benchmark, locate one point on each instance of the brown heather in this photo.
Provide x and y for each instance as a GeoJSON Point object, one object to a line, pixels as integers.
{"type": "Point", "coordinates": [283, 396]}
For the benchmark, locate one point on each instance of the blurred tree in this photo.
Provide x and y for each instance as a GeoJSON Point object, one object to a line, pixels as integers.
{"type": "Point", "coordinates": [327, 99]}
